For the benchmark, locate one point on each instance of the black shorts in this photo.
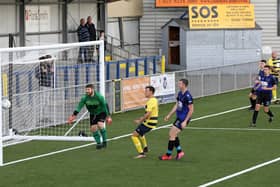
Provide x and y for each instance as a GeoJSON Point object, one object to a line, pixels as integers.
{"type": "Point", "coordinates": [178, 123]}
{"type": "Point", "coordinates": [94, 119]}
{"type": "Point", "coordinates": [264, 98]}
{"type": "Point", "coordinates": [142, 129]}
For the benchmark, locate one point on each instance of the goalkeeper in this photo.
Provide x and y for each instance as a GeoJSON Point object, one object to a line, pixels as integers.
{"type": "Point", "coordinates": [99, 113]}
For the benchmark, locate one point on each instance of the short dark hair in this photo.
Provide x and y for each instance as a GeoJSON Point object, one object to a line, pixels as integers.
{"type": "Point", "coordinates": [184, 81]}
{"type": "Point", "coordinates": [151, 88]}
{"type": "Point", "coordinates": [264, 61]}
{"type": "Point", "coordinates": [89, 86]}
{"type": "Point", "coordinates": [267, 66]}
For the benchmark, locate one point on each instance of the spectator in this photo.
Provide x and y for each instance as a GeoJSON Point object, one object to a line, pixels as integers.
{"type": "Point", "coordinates": [45, 74]}
{"type": "Point", "coordinates": [83, 36]}
{"type": "Point", "coordinates": [92, 36]}
{"type": "Point", "coordinates": [102, 37]}
{"type": "Point", "coordinates": [91, 27]}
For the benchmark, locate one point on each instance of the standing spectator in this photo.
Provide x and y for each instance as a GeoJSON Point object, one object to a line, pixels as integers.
{"type": "Point", "coordinates": [45, 74]}
{"type": "Point", "coordinates": [102, 37]}
{"type": "Point", "coordinates": [92, 36]}
{"type": "Point", "coordinates": [274, 63]}
{"type": "Point", "coordinates": [91, 27]}
{"type": "Point", "coordinates": [83, 36]}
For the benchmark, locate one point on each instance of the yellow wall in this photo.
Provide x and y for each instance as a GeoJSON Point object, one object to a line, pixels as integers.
{"type": "Point", "coordinates": [125, 8]}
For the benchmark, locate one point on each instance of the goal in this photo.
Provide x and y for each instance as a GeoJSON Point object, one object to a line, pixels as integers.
{"type": "Point", "coordinates": [43, 85]}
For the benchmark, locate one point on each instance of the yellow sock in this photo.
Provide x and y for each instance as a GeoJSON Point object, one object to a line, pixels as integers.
{"type": "Point", "coordinates": [137, 144]}
{"type": "Point", "coordinates": [143, 141]}
{"type": "Point", "coordinates": [274, 94]}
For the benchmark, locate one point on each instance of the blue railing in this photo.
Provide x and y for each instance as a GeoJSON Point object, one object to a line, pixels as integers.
{"type": "Point", "coordinates": [83, 73]}
{"type": "Point", "coordinates": [136, 63]}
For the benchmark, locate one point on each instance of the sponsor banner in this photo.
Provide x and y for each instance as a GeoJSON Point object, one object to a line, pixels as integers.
{"type": "Point", "coordinates": [37, 18]}
{"type": "Point", "coordinates": [231, 16]}
{"type": "Point", "coordinates": [185, 3]}
{"type": "Point", "coordinates": [164, 84]}
{"type": "Point", "coordinates": [133, 95]}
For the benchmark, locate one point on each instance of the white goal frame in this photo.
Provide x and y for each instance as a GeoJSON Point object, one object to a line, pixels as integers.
{"type": "Point", "coordinates": [11, 136]}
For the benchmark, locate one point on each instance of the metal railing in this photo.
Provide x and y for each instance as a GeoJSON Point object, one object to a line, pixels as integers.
{"type": "Point", "coordinates": [202, 82]}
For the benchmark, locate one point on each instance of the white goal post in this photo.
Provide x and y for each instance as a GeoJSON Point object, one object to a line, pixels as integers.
{"type": "Point", "coordinates": [44, 84]}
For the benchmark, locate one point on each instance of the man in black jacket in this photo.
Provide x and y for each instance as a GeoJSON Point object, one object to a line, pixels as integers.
{"type": "Point", "coordinates": [92, 36]}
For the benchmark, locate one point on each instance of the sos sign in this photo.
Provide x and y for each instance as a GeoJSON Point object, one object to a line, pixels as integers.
{"type": "Point", "coordinates": [204, 12]}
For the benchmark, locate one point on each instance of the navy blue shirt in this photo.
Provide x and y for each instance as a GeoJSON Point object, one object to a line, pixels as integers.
{"type": "Point", "coordinates": [258, 87]}
{"type": "Point", "coordinates": [183, 102]}
{"type": "Point", "coordinates": [268, 82]}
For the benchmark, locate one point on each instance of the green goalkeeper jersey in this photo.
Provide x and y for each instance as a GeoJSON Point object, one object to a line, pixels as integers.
{"type": "Point", "coordinates": [95, 104]}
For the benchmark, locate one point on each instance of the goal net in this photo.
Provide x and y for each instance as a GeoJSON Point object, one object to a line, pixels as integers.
{"type": "Point", "coordinates": [43, 85]}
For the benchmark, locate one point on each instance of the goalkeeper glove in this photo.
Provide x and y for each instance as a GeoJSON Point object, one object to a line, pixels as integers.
{"type": "Point", "coordinates": [71, 119]}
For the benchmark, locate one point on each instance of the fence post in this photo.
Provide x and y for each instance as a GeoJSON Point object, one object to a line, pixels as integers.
{"type": "Point", "coordinates": [97, 72]}
{"type": "Point", "coordinates": [66, 82]}
{"type": "Point", "coordinates": [154, 65]}
{"type": "Point", "coordinates": [17, 87]}
{"type": "Point", "coordinates": [107, 70]}
{"type": "Point", "coordinates": [118, 69]}
{"type": "Point", "coordinates": [127, 69]}
{"type": "Point", "coordinates": [87, 73]}
{"type": "Point", "coordinates": [136, 68]}
{"type": "Point", "coordinates": [77, 77]}
{"type": "Point", "coordinates": [30, 86]}
{"type": "Point", "coordinates": [146, 66]}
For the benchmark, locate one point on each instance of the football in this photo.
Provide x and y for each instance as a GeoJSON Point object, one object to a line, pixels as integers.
{"type": "Point", "coordinates": [6, 104]}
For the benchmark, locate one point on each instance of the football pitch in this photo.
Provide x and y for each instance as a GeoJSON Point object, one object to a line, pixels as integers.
{"type": "Point", "coordinates": [220, 150]}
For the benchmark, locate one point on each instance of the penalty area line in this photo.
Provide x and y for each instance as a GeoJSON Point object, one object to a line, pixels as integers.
{"type": "Point", "coordinates": [115, 138]}
{"type": "Point", "coordinates": [230, 129]}
{"type": "Point", "coordinates": [240, 172]}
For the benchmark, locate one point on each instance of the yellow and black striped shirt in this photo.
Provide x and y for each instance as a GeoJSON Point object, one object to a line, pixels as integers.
{"type": "Point", "coordinates": [275, 64]}
{"type": "Point", "coordinates": [151, 106]}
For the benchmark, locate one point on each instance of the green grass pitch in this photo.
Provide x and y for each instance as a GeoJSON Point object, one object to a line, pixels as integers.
{"type": "Point", "coordinates": [210, 153]}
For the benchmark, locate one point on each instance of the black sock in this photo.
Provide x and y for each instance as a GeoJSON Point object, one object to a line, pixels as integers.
{"type": "Point", "coordinates": [254, 101]}
{"type": "Point", "coordinates": [255, 115]}
{"type": "Point", "coordinates": [177, 145]}
{"type": "Point", "coordinates": [270, 113]}
{"type": "Point", "coordinates": [170, 147]}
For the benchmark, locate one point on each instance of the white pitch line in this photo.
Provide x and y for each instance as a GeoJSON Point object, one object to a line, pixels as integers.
{"type": "Point", "coordinates": [115, 138]}
{"type": "Point", "coordinates": [229, 129]}
{"type": "Point", "coordinates": [240, 172]}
